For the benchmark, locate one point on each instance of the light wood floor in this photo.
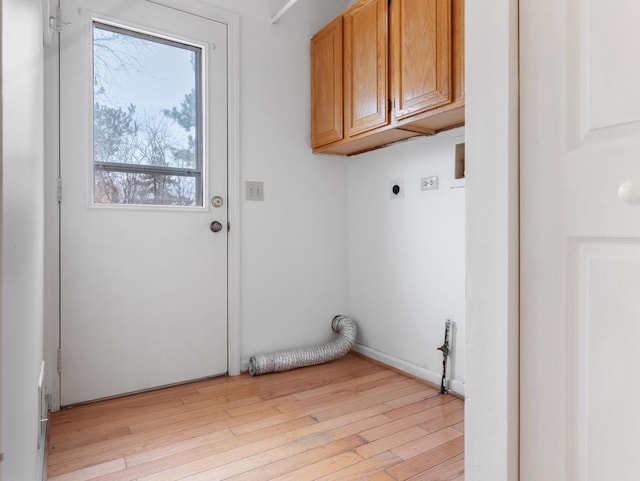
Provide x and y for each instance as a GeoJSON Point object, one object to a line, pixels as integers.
{"type": "Point", "coordinates": [350, 419]}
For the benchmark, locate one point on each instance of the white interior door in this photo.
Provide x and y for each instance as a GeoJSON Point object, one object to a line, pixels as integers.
{"type": "Point", "coordinates": [143, 154]}
{"type": "Point", "coordinates": [580, 141]}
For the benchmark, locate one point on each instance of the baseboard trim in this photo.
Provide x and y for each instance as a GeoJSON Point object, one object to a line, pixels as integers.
{"type": "Point", "coordinates": [456, 387]}
{"type": "Point", "coordinates": [430, 377]}
{"type": "Point", "coordinates": [244, 364]}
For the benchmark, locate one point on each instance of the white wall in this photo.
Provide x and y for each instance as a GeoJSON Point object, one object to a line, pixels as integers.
{"type": "Point", "coordinates": [293, 248]}
{"type": "Point", "coordinates": [22, 255]}
{"type": "Point", "coordinates": [407, 256]}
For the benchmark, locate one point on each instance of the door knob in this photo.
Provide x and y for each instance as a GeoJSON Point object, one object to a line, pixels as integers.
{"type": "Point", "coordinates": [215, 226]}
{"type": "Point", "coordinates": [629, 192]}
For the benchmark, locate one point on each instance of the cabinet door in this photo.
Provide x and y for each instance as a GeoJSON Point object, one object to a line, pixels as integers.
{"type": "Point", "coordinates": [326, 85]}
{"type": "Point", "coordinates": [421, 52]}
{"type": "Point", "coordinates": [365, 64]}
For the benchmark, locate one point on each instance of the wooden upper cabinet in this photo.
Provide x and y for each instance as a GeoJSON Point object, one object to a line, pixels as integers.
{"type": "Point", "coordinates": [326, 85]}
{"type": "Point", "coordinates": [385, 71]}
{"type": "Point", "coordinates": [365, 67]}
{"type": "Point", "coordinates": [421, 52]}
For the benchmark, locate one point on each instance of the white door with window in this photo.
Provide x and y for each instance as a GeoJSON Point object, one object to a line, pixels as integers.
{"type": "Point", "coordinates": [580, 251]}
{"type": "Point", "coordinates": [143, 149]}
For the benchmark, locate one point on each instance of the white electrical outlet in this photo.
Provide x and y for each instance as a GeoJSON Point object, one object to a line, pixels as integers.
{"type": "Point", "coordinates": [396, 189]}
{"type": "Point", "coordinates": [429, 183]}
{"type": "Point", "coordinates": [254, 190]}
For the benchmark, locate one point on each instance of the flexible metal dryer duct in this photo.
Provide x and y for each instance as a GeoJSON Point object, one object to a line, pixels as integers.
{"type": "Point", "coordinates": [308, 356]}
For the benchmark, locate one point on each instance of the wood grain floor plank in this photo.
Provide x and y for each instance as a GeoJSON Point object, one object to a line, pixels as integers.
{"type": "Point", "coordinates": [92, 472]}
{"type": "Point", "coordinates": [220, 458]}
{"type": "Point", "coordinates": [314, 405]}
{"type": "Point", "coordinates": [402, 423]}
{"type": "Point", "coordinates": [99, 422]}
{"type": "Point", "coordinates": [190, 444]}
{"type": "Point", "coordinates": [138, 442]}
{"type": "Point", "coordinates": [143, 400]}
{"type": "Point", "coordinates": [423, 405]}
{"type": "Point", "coordinates": [383, 476]}
{"type": "Point", "coordinates": [368, 400]}
{"type": "Point", "coordinates": [96, 422]}
{"type": "Point", "coordinates": [226, 456]}
{"type": "Point", "coordinates": [363, 470]}
{"type": "Point", "coordinates": [451, 419]}
{"type": "Point", "coordinates": [265, 422]}
{"type": "Point", "coordinates": [322, 391]}
{"type": "Point", "coordinates": [351, 419]}
{"type": "Point", "coordinates": [375, 376]}
{"type": "Point", "coordinates": [446, 471]}
{"type": "Point", "coordinates": [320, 436]}
{"type": "Point", "coordinates": [459, 427]}
{"type": "Point", "coordinates": [392, 441]}
{"type": "Point", "coordinates": [322, 468]}
{"type": "Point", "coordinates": [360, 425]}
{"type": "Point", "coordinates": [293, 456]}
{"type": "Point", "coordinates": [427, 460]}
{"type": "Point", "coordinates": [425, 443]}
{"type": "Point", "coordinates": [384, 383]}
{"type": "Point", "coordinates": [260, 406]}
{"type": "Point", "coordinates": [390, 384]}
{"type": "Point", "coordinates": [88, 439]}
{"type": "Point", "coordinates": [160, 464]}
{"type": "Point", "coordinates": [212, 414]}
{"type": "Point", "coordinates": [428, 393]}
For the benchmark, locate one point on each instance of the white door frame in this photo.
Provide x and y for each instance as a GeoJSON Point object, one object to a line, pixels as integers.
{"type": "Point", "coordinates": [492, 252]}
{"type": "Point", "coordinates": [52, 217]}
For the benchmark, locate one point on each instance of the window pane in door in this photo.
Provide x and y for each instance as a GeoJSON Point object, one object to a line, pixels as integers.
{"type": "Point", "coordinates": [147, 119]}
{"type": "Point", "coordinates": [115, 187]}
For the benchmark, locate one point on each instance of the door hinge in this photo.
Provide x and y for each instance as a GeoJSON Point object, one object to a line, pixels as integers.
{"type": "Point", "coordinates": [389, 105]}
{"type": "Point", "coordinates": [228, 226]}
{"type": "Point", "coordinates": [389, 3]}
{"type": "Point", "coordinates": [59, 361]}
{"type": "Point", "coordinates": [59, 190]}
{"type": "Point", "coordinates": [56, 23]}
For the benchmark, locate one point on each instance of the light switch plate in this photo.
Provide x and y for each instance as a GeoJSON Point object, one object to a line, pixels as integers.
{"type": "Point", "coordinates": [254, 190]}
